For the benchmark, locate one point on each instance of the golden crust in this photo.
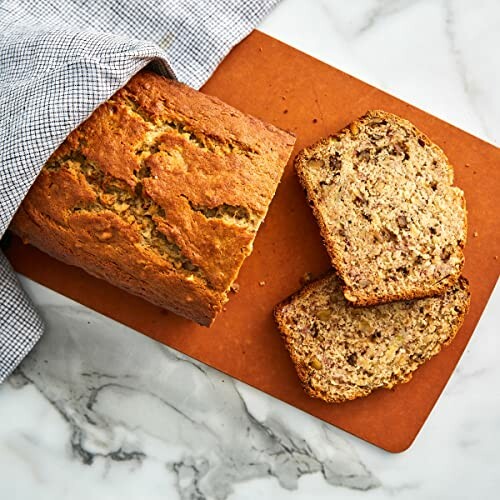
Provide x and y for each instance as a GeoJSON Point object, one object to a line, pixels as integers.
{"type": "Point", "coordinates": [160, 192]}
{"type": "Point", "coordinates": [300, 164]}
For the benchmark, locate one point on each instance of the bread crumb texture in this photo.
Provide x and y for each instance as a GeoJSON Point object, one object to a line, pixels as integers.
{"type": "Point", "coordinates": [342, 352]}
{"type": "Point", "coordinates": [161, 192]}
{"type": "Point", "coordinates": [392, 221]}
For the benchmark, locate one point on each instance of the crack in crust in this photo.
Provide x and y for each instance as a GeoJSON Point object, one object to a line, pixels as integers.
{"type": "Point", "coordinates": [206, 142]}
{"type": "Point", "coordinates": [230, 213]}
{"type": "Point", "coordinates": [132, 206]}
{"type": "Point", "coordinates": [238, 214]}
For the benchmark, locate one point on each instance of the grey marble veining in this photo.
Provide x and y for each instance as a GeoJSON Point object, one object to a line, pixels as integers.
{"type": "Point", "coordinates": [204, 432]}
{"type": "Point", "coordinates": [100, 411]}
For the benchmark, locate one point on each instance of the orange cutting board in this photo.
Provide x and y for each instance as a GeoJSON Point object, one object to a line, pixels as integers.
{"type": "Point", "coordinates": [275, 82]}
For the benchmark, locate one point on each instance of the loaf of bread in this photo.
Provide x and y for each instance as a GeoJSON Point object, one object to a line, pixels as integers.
{"type": "Point", "coordinates": [392, 222]}
{"type": "Point", "coordinates": [160, 192]}
{"type": "Point", "coordinates": [342, 352]}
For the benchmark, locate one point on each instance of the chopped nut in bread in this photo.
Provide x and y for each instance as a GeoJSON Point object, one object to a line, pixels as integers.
{"type": "Point", "coordinates": [393, 223]}
{"type": "Point", "coordinates": [351, 351]}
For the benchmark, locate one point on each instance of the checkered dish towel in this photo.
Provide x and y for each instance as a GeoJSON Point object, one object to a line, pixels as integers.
{"type": "Point", "coordinates": [59, 60]}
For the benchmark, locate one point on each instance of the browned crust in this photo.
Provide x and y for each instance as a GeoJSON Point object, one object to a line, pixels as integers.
{"type": "Point", "coordinates": [191, 155]}
{"type": "Point", "coordinates": [303, 373]}
{"type": "Point", "coordinates": [300, 166]}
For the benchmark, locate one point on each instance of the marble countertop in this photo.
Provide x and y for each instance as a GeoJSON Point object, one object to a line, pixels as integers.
{"type": "Point", "coordinates": [98, 411]}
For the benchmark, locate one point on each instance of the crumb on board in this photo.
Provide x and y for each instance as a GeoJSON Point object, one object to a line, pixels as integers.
{"type": "Point", "coordinates": [475, 234]}
{"type": "Point", "coordinates": [315, 120]}
{"type": "Point", "coordinates": [496, 257]}
{"type": "Point", "coordinates": [262, 283]}
{"type": "Point", "coordinates": [306, 278]}
{"type": "Point", "coordinates": [285, 111]}
{"type": "Point", "coordinates": [467, 165]}
{"type": "Point", "coordinates": [283, 97]}
{"type": "Point", "coordinates": [235, 288]}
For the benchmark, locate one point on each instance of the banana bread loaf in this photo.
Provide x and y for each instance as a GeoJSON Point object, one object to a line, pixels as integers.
{"type": "Point", "coordinates": [343, 352]}
{"type": "Point", "coordinates": [393, 224]}
{"type": "Point", "coordinates": [160, 192]}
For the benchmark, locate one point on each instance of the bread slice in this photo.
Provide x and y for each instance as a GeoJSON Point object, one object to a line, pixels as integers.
{"type": "Point", "coordinates": [343, 352]}
{"type": "Point", "coordinates": [393, 224]}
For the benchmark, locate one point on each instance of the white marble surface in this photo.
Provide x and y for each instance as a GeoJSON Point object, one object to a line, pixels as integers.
{"type": "Point", "coordinates": [99, 411]}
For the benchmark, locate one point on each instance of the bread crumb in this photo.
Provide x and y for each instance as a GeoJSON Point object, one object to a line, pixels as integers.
{"type": "Point", "coordinates": [283, 97]}
{"type": "Point", "coordinates": [467, 165]}
{"type": "Point", "coordinates": [260, 49]}
{"type": "Point", "coordinates": [354, 129]}
{"type": "Point", "coordinates": [262, 283]}
{"type": "Point", "coordinates": [235, 288]}
{"type": "Point", "coordinates": [285, 111]}
{"type": "Point", "coordinates": [496, 257]}
{"type": "Point", "coordinates": [475, 234]}
{"type": "Point", "coordinates": [306, 278]}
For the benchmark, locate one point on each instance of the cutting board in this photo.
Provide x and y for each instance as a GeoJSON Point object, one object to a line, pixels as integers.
{"type": "Point", "coordinates": [275, 82]}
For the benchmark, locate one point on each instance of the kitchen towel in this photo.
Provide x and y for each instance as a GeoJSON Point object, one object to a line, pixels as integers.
{"type": "Point", "coordinates": [59, 60]}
